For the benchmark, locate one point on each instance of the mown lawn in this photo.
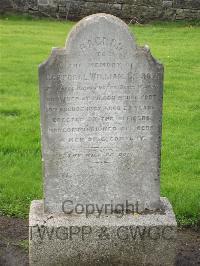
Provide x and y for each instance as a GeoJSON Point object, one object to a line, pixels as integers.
{"type": "Point", "coordinates": [26, 42]}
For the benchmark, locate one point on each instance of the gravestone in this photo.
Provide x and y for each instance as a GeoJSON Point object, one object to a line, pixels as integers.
{"type": "Point", "coordinates": [101, 102]}
{"type": "Point", "coordinates": [101, 120]}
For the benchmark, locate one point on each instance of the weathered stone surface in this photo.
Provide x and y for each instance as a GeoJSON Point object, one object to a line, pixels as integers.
{"type": "Point", "coordinates": [109, 240]}
{"type": "Point", "coordinates": [89, 8]}
{"type": "Point", "coordinates": [186, 4]}
{"type": "Point", "coordinates": [43, 2]}
{"type": "Point", "coordinates": [143, 10]}
{"type": "Point", "coordinates": [5, 5]}
{"type": "Point", "coordinates": [140, 13]}
{"type": "Point", "coordinates": [187, 14]}
{"type": "Point", "coordinates": [169, 12]}
{"type": "Point", "coordinates": [147, 3]}
{"type": "Point", "coordinates": [167, 4]}
{"type": "Point", "coordinates": [101, 105]}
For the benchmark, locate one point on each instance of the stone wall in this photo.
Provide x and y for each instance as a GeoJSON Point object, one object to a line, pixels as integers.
{"type": "Point", "coordinates": [128, 10]}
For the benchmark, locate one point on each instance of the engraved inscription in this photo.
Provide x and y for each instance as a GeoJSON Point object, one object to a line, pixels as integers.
{"type": "Point", "coordinates": [101, 104]}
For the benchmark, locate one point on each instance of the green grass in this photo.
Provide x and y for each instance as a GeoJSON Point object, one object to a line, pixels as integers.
{"type": "Point", "coordinates": [26, 42]}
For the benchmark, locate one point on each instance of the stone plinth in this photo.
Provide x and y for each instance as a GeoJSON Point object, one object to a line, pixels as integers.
{"type": "Point", "coordinates": [147, 239]}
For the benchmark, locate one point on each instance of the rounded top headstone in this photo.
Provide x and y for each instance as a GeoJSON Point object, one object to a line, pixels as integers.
{"type": "Point", "coordinates": [101, 105]}
{"type": "Point", "coordinates": [100, 23]}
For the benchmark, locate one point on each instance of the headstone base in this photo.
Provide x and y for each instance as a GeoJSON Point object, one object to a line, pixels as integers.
{"type": "Point", "coordinates": [147, 239]}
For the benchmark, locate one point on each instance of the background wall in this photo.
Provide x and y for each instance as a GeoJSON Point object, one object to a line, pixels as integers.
{"type": "Point", "coordinates": [135, 10]}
